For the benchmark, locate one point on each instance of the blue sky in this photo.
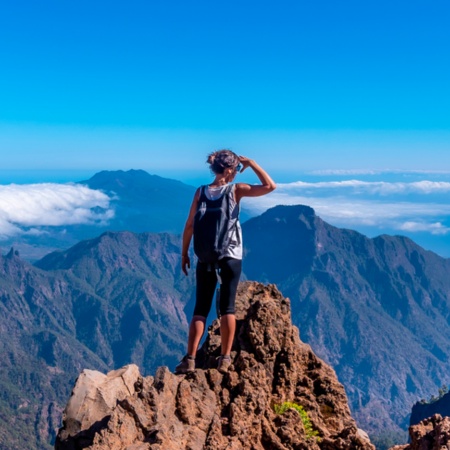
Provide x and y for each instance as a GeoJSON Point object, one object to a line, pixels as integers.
{"type": "Point", "coordinates": [315, 91]}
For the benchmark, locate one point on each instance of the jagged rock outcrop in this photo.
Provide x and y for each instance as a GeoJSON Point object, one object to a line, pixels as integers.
{"type": "Point", "coordinates": [430, 434]}
{"type": "Point", "coordinates": [235, 411]}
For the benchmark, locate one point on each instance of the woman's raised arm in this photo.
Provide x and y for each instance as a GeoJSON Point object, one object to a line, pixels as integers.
{"type": "Point", "coordinates": [248, 190]}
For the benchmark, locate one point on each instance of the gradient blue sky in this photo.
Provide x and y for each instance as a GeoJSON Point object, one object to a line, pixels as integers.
{"type": "Point", "coordinates": [152, 84]}
{"type": "Point", "coordinates": [323, 90]}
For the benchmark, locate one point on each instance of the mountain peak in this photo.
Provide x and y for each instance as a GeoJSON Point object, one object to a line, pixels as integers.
{"type": "Point", "coordinates": [208, 410]}
{"type": "Point", "coordinates": [290, 212]}
{"type": "Point", "coordinates": [144, 202]}
{"type": "Point", "coordinates": [120, 179]}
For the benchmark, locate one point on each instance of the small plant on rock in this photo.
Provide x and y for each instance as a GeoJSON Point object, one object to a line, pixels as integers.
{"type": "Point", "coordinates": [307, 425]}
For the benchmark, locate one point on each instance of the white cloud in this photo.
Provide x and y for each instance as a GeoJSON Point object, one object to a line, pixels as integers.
{"type": "Point", "coordinates": [436, 228]}
{"type": "Point", "coordinates": [369, 187]}
{"type": "Point", "coordinates": [350, 212]}
{"type": "Point", "coordinates": [347, 172]}
{"type": "Point", "coordinates": [356, 203]}
{"type": "Point", "coordinates": [50, 204]}
{"type": "Point", "coordinates": [348, 208]}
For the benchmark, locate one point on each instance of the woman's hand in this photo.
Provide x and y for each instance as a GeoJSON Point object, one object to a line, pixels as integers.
{"type": "Point", "coordinates": [246, 162]}
{"type": "Point", "coordinates": [185, 264]}
{"type": "Point", "coordinates": [255, 190]}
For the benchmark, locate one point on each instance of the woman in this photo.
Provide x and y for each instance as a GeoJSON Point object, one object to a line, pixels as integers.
{"type": "Point", "coordinates": [224, 164]}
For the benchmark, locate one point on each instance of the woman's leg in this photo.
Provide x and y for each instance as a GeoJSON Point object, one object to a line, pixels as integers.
{"type": "Point", "coordinates": [206, 285]}
{"type": "Point", "coordinates": [230, 272]}
{"type": "Point", "coordinates": [227, 330]}
{"type": "Point", "coordinates": [206, 280]}
{"type": "Point", "coordinates": [196, 330]}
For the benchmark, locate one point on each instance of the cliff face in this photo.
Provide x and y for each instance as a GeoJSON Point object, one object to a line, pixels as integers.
{"type": "Point", "coordinates": [130, 296]}
{"type": "Point", "coordinates": [40, 355]}
{"type": "Point", "coordinates": [208, 410]}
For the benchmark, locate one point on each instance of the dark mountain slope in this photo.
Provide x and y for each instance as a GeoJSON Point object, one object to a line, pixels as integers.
{"type": "Point", "coordinates": [133, 299]}
{"type": "Point", "coordinates": [144, 202]}
{"type": "Point", "coordinates": [376, 309]}
{"type": "Point", "coordinates": [436, 405]}
{"type": "Point", "coordinates": [110, 301]}
{"type": "Point", "coordinates": [39, 353]}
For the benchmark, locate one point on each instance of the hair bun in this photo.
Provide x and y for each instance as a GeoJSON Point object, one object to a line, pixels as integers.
{"type": "Point", "coordinates": [221, 160]}
{"type": "Point", "coordinates": [211, 158]}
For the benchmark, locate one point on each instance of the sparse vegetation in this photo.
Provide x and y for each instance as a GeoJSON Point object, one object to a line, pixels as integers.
{"type": "Point", "coordinates": [442, 391]}
{"type": "Point", "coordinates": [309, 430]}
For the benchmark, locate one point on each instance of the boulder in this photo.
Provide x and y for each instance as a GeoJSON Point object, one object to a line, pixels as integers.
{"type": "Point", "coordinates": [93, 400]}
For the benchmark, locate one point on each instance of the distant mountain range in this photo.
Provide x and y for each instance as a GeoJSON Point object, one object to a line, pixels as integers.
{"type": "Point", "coordinates": [376, 309]}
{"type": "Point", "coordinates": [141, 203]}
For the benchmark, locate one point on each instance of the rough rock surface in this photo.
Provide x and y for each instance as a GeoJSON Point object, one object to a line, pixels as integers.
{"type": "Point", "coordinates": [211, 411]}
{"type": "Point", "coordinates": [93, 400]}
{"type": "Point", "coordinates": [430, 434]}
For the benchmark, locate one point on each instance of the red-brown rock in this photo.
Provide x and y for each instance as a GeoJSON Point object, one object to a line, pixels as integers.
{"type": "Point", "coordinates": [210, 411]}
{"type": "Point", "coordinates": [430, 434]}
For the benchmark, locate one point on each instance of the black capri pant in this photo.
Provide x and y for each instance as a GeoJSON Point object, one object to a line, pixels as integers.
{"type": "Point", "coordinates": [230, 273]}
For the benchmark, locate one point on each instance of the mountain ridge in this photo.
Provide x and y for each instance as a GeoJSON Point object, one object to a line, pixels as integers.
{"type": "Point", "coordinates": [340, 277]}
{"type": "Point", "coordinates": [97, 312]}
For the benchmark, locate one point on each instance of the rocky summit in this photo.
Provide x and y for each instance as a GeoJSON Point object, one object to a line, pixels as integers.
{"type": "Point", "coordinates": [277, 395]}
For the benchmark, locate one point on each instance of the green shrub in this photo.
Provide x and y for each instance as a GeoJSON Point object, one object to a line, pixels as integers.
{"type": "Point", "coordinates": [307, 425]}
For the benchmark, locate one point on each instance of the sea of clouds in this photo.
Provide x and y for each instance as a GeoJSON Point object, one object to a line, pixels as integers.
{"type": "Point", "coordinates": [25, 208]}
{"type": "Point", "coordinates": [415, 206]}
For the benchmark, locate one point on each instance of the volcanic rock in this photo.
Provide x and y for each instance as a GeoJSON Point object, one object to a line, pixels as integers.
{"type": "Point", "coordinates": [430, 434]}
{"type": "Point", "coordinates": [94, 398]}
{"type": "Point", "coordinates": [235, 411]}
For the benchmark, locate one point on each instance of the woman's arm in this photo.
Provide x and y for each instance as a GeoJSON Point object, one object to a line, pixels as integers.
{"type": "Point", "coordinates": [247, 190]}
{"type": "Point", "coordinates": [187, 234]}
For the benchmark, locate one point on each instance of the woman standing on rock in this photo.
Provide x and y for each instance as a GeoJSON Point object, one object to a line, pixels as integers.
{"type": "Point", "coordinates": [213, 221]}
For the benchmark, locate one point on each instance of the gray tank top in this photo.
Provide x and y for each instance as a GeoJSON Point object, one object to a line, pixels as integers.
{"type": "Point", "coordinates": [235, 248]}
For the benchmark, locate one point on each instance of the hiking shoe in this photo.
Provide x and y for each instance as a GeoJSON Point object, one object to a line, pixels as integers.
{"type": "Point", "coordinates": [186, 365]}
{"type": "Point", "coordinates": [224, 364]}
